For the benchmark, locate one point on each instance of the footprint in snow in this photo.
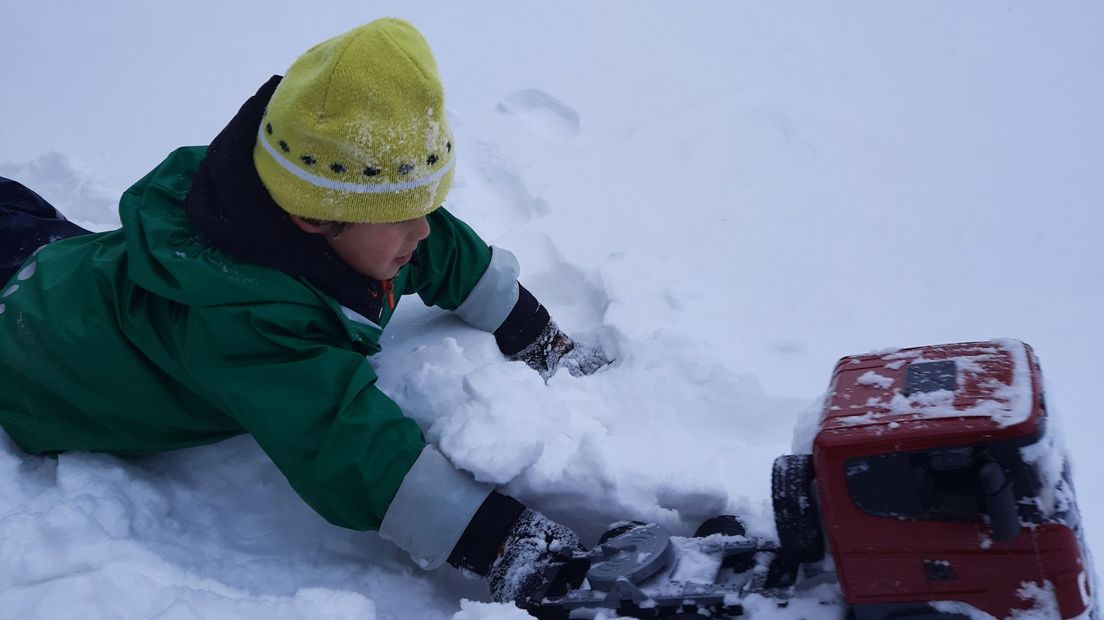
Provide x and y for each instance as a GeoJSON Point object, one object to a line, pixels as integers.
{"type": "Point", "coordinates": [543, 113]}
{"type": "Point", "coordinates": [506, 179]}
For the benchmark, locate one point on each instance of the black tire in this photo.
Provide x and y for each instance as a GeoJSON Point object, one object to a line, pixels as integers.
{"type": "Point", "coordinates": [613, 532]}
{"type": "Point", "coordinates": [729, 525]}
{"type": "Point", "coordinates": [795, 509]}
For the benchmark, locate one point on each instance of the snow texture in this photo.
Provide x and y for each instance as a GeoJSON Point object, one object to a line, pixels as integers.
{"type": "Point", "coordinates": [726, 197]}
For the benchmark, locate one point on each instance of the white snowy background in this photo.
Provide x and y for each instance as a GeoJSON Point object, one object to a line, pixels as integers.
{"type": "Point", "coordinates": [728, 196]}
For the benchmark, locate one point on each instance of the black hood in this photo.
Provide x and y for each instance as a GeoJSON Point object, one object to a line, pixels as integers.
{"type": "Point", "coordinates": [231, 207]}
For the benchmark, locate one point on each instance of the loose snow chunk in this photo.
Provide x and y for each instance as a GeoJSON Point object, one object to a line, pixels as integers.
{"type": "Point", "coordinates": [956, 607]}
{"type": "Point", "coordinates": [1055, 495]}
{"type": "Point", "coordinates": [694, 565]}
{"type": "Point", "coordinates": [971, 363]}
{"type": "Point", "coordinates": [1046, 603]}
{"type": "Point", "coordinates": [855, 420]}
{"type": "Point", "coordinates": [936, 404]}
{"type": "Point", "coordinates": [472, 610]}
{"type": "Point", "coordinates": [874, 379]}
{"type": "Point", "coordinates": [898, 354]}
{"type": "Point", "coordinates": [1019, 394]}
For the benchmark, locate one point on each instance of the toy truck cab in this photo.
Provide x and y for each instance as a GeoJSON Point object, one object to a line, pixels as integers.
{"type": "Point", "coordinates": [940, 492]}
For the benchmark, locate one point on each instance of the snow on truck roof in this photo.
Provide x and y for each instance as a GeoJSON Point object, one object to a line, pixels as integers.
{"type": "Point", "coordinates": [973, 387]}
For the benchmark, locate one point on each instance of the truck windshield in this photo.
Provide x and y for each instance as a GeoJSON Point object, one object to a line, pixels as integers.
{"type": "Point", "coordinates": [941, 484]}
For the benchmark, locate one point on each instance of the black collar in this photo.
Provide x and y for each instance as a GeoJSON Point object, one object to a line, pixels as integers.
{"type": "Point", "coordinates": [231, 207]}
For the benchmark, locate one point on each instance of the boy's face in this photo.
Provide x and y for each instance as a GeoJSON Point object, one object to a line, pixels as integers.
{"type": "Point", "coordinates": [375, 250]}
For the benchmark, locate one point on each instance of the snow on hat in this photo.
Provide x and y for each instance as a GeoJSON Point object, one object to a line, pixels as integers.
{"type": "Point", "coordinates": [356, 130]}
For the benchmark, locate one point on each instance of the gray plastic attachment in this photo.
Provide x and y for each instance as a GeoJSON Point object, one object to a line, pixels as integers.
{"type": "Point", "coordinates": [635, 555]}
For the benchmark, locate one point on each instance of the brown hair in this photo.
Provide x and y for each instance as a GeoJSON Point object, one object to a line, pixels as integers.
{"type": "Point", "coordinates": [333, 228]}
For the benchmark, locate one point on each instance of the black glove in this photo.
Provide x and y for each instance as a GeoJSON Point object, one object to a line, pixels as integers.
{"type": "Point", "coordinates": [529, 335]}
{"type": "Point", "coordinates": [534, 555]}
{"type": "Point", "coordinates": [523, 553]}
{"type": "Point", "coordinates": [552, 349]}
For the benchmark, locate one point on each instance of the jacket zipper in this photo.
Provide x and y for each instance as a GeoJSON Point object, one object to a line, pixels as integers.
{"type": "Point", "coordinates": [390, 293]}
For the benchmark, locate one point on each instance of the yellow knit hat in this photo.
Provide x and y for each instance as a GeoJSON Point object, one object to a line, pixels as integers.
{"type": "Point", "coordinates": [356, 130]}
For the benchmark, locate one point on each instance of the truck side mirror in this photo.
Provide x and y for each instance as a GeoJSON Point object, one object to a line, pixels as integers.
{"type": "Point", "coordinates": [1000, 502]}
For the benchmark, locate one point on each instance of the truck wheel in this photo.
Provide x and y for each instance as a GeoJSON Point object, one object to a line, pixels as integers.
{"type": "Point", "coordinates": [729, 525]}
{"type": "Point", "coordinates": [795, 509]}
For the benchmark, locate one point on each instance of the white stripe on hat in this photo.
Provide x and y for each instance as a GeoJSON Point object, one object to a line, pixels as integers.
{"type": "Point", "coordinates": [356, 188]}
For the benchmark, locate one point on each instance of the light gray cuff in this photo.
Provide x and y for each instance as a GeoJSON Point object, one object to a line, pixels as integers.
{"type": "Point", "coordinates": [434, 505]}
{"type": "Point", "coordinates": [495, 295]}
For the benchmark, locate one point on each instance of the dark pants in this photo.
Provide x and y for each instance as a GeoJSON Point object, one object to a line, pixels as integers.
{"type": "Point", "coordinates": [27, 222]}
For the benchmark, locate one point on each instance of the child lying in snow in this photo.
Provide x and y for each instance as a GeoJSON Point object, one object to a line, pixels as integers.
{"type": "Point", "coordinates": [248, 282]}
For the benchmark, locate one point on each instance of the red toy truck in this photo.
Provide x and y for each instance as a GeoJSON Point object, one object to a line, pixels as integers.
{"type": "Point", "coordinates": [937, 489]}
{"type": "Point", "coordinates": [932, 481]}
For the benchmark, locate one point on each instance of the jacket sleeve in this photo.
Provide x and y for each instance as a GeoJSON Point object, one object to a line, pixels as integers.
{"type": "Point", "coordinates": [457, 271]}
{"type": "Point", "coordinates": [314, 408]}
{"type": "Point", "coordinates": [449, 262]}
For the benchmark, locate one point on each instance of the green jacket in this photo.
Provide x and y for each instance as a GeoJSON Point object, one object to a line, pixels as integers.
{"type": "Point", "coordinates": [148, 338]}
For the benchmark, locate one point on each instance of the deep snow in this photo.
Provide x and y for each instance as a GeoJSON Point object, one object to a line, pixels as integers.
{"type": "Point", "coordinates": [727, 197]}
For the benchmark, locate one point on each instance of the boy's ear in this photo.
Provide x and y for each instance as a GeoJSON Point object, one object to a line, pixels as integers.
{"type": "Point", "coordinates": [313, 227]}
{"type": "Point", "coordinates": [329, 230]}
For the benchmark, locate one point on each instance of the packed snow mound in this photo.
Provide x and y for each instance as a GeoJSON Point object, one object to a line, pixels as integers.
{"type": "Point", "coordinates": [93, 536]}
{"type": "Point", "coordinates": [472, 610]}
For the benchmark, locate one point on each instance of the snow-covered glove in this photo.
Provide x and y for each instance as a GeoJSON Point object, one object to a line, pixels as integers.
{"type": "Point", "coordinates": [552, 349]}
{"type": "Point", "coordinates": [533, 556]}
{"type": "Point", "coordinates": [525, 555]}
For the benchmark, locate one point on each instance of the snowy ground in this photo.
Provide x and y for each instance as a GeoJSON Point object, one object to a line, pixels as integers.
{"type": "Point", "coordinates": [728, 197]}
